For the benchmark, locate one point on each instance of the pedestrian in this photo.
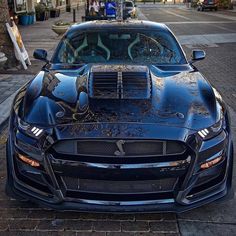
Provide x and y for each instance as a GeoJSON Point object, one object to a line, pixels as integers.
{"type": "Point", "coordinates": [110, 9]}
{"type": "Point", "coordinates": [102, 8]}
{"type": "Point", "coordinates": [189, 3]}
{"type": "Point", "coordinates": [94, 7]}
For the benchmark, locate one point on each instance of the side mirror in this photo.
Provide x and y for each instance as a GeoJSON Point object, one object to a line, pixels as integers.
{"type": "Point", "coordinates": [198, 55]}
{"type": "Point", "coordinates": [135, 5]}
{"type": "Point", "coordinates": [41, 54]}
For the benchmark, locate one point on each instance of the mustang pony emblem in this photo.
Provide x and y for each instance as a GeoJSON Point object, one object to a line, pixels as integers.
{"type": "Point", "coordinates": [119, 145]}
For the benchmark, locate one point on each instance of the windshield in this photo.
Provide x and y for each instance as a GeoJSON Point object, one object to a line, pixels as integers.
{"type": "Point", "coordinates": [123, 46]}
{"type": "Point", "coordinates": [128, 4]}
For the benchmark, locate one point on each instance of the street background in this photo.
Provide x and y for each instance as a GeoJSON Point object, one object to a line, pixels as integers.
{"type": "Point", "coordinates": [215, 32]}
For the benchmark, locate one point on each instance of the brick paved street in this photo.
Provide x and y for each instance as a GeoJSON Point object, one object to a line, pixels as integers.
{"type": "Point", "coordinates": [11, 83]}
{"type": "Point", "coordinates": [24, 218]}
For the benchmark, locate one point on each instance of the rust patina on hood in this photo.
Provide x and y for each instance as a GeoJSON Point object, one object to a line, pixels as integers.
{"type": "Point", "coordinates": [179, 96]}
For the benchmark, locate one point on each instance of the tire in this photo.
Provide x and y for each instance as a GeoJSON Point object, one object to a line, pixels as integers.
{"type": "Point", "coordinates": [231, 165]}
{"type": "Point", "coordinates": [216, 9]}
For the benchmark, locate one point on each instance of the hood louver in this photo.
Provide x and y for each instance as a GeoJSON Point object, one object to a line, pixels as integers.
{"type": "Point", "coordinates": [120, 83]}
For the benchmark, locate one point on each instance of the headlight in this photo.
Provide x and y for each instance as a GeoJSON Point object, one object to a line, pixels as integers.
{"type": "Point", "coordinates": [28, 160]}
{"type": "Point", "coordinates": [31, 130]}
{"type": "Point", "coordinates": [212, 131]}
{"type": "Point", "coordinates": [22, 125]}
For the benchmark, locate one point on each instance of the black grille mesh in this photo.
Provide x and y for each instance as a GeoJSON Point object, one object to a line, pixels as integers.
{"type": "Point", "coordinates": [106, 186]}
{"type": "Point", "coordinates": [136, 148]}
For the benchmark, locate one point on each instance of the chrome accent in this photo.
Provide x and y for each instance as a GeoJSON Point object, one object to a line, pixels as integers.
{"type": "Point", "coordinates": [214, 156]}
{"type": "Point", "coordinates": [122, 203]}
{"type": "Point", "coordinates": [119, 145]}
{"type": "Point", "coordinates": [123, 166]}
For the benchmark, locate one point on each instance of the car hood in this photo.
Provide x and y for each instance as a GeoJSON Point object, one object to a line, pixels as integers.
{"type": "Point", "coordinates": [176, 96]}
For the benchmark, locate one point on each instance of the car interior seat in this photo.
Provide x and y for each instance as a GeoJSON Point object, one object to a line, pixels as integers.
{"type": "Point", "coordinates": [134, 42]}
{"type": "Point", "coordinates": [93, 42]}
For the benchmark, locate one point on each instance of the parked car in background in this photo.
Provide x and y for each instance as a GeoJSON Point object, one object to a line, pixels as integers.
{"type": "Point", "coordinates": [130, 9]}
{"type": "Point", "coordinates": [207, 5]}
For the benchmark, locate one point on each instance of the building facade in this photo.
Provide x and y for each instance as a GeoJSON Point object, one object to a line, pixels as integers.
{"type": "Point", "coordinates": [21, 6]}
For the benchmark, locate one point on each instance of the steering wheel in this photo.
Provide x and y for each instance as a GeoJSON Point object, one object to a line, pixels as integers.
{"type": "Point", "coordinates": [147, 47]}
{"type": "Point", "coordinates": [93, 52]}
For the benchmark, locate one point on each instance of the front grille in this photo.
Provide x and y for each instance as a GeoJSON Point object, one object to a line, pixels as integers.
{"type": "Point", "coordinates": [128, 187]}
{"type": "Point", "coordinates": [113, 148]}
{"type": "Point", "coordinates": [93, 170]}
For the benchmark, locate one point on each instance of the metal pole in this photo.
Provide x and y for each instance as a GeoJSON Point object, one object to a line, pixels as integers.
{"type": "Point", "coordinates": [74, 15]}
{"type": "Point", "coordinates": [122, 10]}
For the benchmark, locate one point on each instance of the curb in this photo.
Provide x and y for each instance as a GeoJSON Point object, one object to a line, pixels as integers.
{"type": "Point", "coordinates": [19, 72]}
{"type": "Point", "coordinates": [5, 109]}
{"type": "Point", "coordinates": [4, 124]}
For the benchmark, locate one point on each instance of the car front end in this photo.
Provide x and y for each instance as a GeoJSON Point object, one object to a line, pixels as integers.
{"type": "Point", "coordinates": [208, 4]}
{"type": "Point", "coordinates": [119, 167]}
{"type": "Point", "coordinates": [119, 137]}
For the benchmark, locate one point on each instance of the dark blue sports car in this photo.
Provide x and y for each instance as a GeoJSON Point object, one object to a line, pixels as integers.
{"type": "Point", "coordinates": [119, 121]}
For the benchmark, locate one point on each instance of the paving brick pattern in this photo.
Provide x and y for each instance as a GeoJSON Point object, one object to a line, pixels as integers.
{"type": "Point", "coordinates": [11, 83]}
{"type": "Point", "coordinates": [219, 68]}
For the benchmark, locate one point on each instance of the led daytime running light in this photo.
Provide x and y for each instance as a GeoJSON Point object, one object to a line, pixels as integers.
{"type": "Point", "coordinates": [36, 131]}
{"type": "Point", "coordinates": [203, 133]}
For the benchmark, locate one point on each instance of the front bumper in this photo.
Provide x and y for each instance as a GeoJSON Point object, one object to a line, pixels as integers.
{"type": "Point", "coordinates": [190, 191]}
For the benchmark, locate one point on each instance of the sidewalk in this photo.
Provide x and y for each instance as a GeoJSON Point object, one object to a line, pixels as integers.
{"type": "Point", "coordinates": [40, 34]}
{"type": "Point", "coordinates": [34, 36]}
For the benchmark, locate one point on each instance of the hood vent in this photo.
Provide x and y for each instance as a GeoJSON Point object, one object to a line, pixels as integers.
{"type": "Point", "coordinates": [120, 85]}
{"type": "Point", "coordinates": [104, 85]}
{"type": "Point", "coordinates": [136, 85]}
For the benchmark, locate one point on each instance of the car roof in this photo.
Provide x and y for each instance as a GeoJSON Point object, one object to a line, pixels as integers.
{"type": "Point", "coordinates": [129, 2]}
{"type": "Point", "coordinates": [119, 24]}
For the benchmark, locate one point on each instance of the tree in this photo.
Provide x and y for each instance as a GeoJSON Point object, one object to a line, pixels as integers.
{"type": "Point", "coordinates": [6, 45]}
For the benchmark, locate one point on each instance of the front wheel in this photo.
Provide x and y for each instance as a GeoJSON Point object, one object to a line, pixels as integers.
{"type": "Point", "coordinates": [216, 9]}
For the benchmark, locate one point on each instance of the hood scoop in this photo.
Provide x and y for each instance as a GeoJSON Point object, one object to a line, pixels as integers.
{"type": "Point", "coordinates": [120, 82]}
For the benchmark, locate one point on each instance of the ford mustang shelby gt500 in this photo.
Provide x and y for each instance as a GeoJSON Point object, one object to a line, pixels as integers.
{"type": "Point", "coordinates": [119, 120]}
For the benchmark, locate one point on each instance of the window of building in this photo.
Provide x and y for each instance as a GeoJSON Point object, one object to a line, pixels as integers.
{"type": "Point", "coordinates": [20, 6]}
